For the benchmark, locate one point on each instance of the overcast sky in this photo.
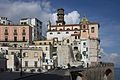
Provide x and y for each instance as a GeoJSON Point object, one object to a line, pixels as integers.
{"type": "Point", "coordinates": [105, 12]}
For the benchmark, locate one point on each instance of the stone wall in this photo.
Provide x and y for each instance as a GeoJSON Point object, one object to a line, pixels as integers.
{"type": "Point", "coordinates": [101, 71]}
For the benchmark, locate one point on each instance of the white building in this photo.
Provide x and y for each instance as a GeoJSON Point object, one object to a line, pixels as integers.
{"type": "Point", "coordinates": [31, 59]}
{"type": "Point", "coordinates": [5, 21]}
{"type": "Point", "coordinates": [47, 55]}
{"type": "Point", "coordinates": [82, 37]}
{"type": "Point", "coordinates": [12, 62]}
{"type": "Point", "coordinates": [36, 27]}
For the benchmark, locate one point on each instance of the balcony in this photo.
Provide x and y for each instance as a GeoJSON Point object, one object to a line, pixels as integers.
{"type": "Point", "coordinates": [23, 33]}
{"type": "Point", "coordinates": [15, 33]}
{"type": "Point", "coordinates": [6, 33]}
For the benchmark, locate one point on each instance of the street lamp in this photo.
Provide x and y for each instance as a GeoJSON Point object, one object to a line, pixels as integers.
{"type": "Point", "coordinates": [21, 61]}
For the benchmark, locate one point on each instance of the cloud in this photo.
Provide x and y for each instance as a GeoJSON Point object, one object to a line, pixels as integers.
{"type": "Point", "coordinates": [15, 10]}
{"type": "Point", "coordinates": [111, 57]}
{"type": "Point", "coordinates": [70, 18]}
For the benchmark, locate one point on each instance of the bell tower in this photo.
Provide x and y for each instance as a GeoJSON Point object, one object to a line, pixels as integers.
{"type": "Point", "coordinates": [60, 17]}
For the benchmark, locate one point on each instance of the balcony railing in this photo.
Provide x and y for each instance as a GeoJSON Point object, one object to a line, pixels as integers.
{"type": "Point", "coordinates": [15, 33]}
{"type": "Point", "coordinates": [6, 33]}
{"type": "Point", "coordinates": [23, 33]}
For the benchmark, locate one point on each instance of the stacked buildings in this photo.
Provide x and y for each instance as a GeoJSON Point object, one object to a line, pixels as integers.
{"type": "Point", "coordinates": [77, 43]}
{"type": "Point", "coordinates": [36, 27]}
{"type": "Point", "coordinates": [67, 45]}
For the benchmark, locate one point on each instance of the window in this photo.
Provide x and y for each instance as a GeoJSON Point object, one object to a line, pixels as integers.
{"type": "Point", "coordinates": [84, 53]}
{"type": "Point", "coordinates": [75, 48]}
{"type": "Point", "coordinates": [12, 53]}
{"type": "Point", "coordinates": [35, 63]}
{"type": "Point", "coordinates": [53, 29]}
{"type": "Point", "coordinates": [25, 54]}
{"type": "Point", "coordinates": [6, 31]}
{"type": "Point", "coordinates": [58, 33]}
{"type": "Point", "coordinates": [75, 37]}
{"type": "Point", "coordinates": [37, 24]}
{"type": "Point", "coordinates": [23, 32]}
{"type": "Point", "coordinates": [68, 28]}
{"type": "Point", "coordinates": [75, 43]}
{"type": "Point", "coordinates": [46, 67]}
{"type": "Point", "coordinates": [76, 29]}
{"type": "Point", "coordinates": [84, 44]}
{"type": "Point", "coordinates": [15, 45]}
{"type": "Point", "coordinates": [21, 22]}
{"type": "Point", "coordinates": [35, 54]}
{"type": "Point", "coordinates": [49, 43]}
{"type": "Point", "coordinates": [67, 32]}
{"type": "Point", "coordinates": [75, 32]}
{"type": "Point", "coordinates": [15, 31]}
{"type": "Point", "coordinates": [51, 33]}
{"type": "Point", "coordinates": [25, 23]}
{"type": "Point", "coordinates": [3, 21]}
{"type": "Point", "coordinates": [83, 26]}
{"type": "Point", "coordinates": [46, 48]}
{"type": "Point", "coordinates": [92, 29]}
{"type": "Point", "coordinates": [40, 43]}
{"type": "Point", "coordinates": [60, 29]}
{"type": "Point", "coordinates": [15, 38]}
{"type": "Point", "coordinates": [23, 38]}
{"type": "Point", "coordinates": [26, 63]}
{"type": "Point", "coordinates": [23, 29]}
{"type": "Point", "coordinates": [86, 56]}
{"type": "Point", "coordinates": [67, 40]}
{"type": "Point", "coordinates": [47, 61]}
{"type": "Point", "coordinates": [84, 30]}
{"type": "Point", "coordinates": [6, 38]}
{"type": "Point", "coordinates": [44, 43]}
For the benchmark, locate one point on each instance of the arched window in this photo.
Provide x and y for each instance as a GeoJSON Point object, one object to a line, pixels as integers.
{"type": "Point", "coordinates": [75, 32]}
{"type": "Point", "coordinates": [75, 48]}
{"type": "Point", "coordinates": [67, 40]}
{"type": "Point", "coordinates": [84, 26]}
{"type": "Point", "coordinates": [75, 28]}
{"type": "Point", "coordinates": [107, 74]}
{"type": "Point", "coordinates": [23, 32]}
{"type": "Point", "coordinates": [84, 30]}
{"type": "Point", "coordinates": [53, 29]}
{"type": "Point", "coordinates": [68, 28]}
{"type": "Point", "coordinates": [92, 29]}
{"type": "Point", "coordinates": [60, 29]}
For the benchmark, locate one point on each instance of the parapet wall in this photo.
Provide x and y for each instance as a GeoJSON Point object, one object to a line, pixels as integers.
{"type": "Point", "coordinates": [101, 71]}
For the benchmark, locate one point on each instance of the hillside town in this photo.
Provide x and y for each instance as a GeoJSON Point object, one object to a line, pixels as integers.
{"type": "Point", "coordinates": [23, 48]}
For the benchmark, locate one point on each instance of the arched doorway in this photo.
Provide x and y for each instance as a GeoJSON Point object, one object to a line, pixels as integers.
{"type": "Point", "coordinates": [79, 76]}
{"type": "Point", "coordinates": [107, 74]}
